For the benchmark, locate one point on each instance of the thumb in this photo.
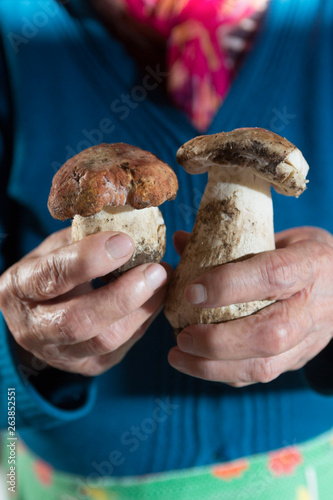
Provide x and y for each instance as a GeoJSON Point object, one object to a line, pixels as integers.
{"type": "Point", "coordinates": [56, 273]}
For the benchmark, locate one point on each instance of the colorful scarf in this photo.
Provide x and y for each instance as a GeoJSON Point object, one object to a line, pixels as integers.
{"type": "Point", "coordinates": [204, 41]}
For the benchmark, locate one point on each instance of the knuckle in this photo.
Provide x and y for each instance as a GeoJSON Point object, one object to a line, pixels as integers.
{"type": "Point", "coordinates": [66, 326]}
{"type": "Point", "coordinates": [124, 302]}
{"type": "Point", "coordinates": [49, 276]}
{"type": "Point", "coordinates": [275, 341]}
{"type": "Point", "coordinates": [207, 341]}
{"type": "Point", "coordinates": [279, 328]}
{"type": "Point", "coordinates": [73, 322]}
{"type": "Point", "coordinates": [104, 343]}
{"type": "Point", "coordinates": [284, 272]}
{"type": "Point", "coordinates": [85, 318]}
{"type": "Point", "coordinates": [263, 370]}
{"type": "Point", "coordinates": [278, 273]}
{"type": "Point", "coordinates": [50, 352]}
{"type": "Point", "coordinates": [12, 285]}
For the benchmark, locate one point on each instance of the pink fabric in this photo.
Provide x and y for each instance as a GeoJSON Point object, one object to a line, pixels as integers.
{"type": "Point", "coordinates": [199, 73]}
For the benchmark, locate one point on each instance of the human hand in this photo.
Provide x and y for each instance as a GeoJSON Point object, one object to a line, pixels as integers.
{"type": "Point", "coordinates": [54, 313]}
{"type": "Point", "coordinates": [281, 337]}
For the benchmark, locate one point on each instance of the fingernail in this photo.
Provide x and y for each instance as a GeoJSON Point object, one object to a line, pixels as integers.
{"type": "Point", "coordinates": [118, 246]}
{"type": "Point", "coordinates": [185, 342]}
{"type": "Point", "coordinates": [196, 294]}
{"type": "Point", "coordinates": [155, 275]}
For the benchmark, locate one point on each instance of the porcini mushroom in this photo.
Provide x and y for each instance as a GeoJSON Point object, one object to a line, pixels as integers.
{"type": "Point", "coordinates": [235, 216]}
{"type": "Point", "coordinates": [116, 187]}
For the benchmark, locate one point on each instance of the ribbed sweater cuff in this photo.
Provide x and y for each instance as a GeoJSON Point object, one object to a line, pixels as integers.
{"type": "Point", "coordinates": [70, 398]}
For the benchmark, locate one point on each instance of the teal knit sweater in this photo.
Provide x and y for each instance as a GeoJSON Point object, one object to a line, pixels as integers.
{"type": "Point", "coordinates": [66, 84]}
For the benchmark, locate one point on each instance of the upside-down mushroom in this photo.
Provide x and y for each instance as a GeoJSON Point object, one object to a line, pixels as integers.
{"type": "Point", "coordinates": [235, 216]}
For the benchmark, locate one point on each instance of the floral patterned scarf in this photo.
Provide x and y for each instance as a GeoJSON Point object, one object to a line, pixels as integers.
{"type": "Point", "coordinates": [205, 39]}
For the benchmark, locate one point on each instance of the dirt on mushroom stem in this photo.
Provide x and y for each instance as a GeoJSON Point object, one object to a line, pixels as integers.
{"type": "Point", "coordinates": [234, 221]}
{"type": "Point", "coordinates": [145, 226]}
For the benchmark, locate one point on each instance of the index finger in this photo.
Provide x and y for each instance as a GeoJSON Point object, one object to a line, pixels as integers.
{"type": "Point", "coordinates": [48, 276]}
{"type": "Point", "coordinates": [276, 274]}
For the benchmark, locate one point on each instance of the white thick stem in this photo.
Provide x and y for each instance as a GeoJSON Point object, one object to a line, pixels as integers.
{"type": "Point", "coordinates": [234, 221]}
{"type": "Point", "coordinates": [146, 228]}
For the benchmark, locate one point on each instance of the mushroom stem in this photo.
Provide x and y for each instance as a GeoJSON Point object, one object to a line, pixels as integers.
{"type": "Point", "coordinates": [234, 221]}
{"type": "Point", "coordinates": [145, 226]}
{"type": "Point", "coordinates": [237, 211]}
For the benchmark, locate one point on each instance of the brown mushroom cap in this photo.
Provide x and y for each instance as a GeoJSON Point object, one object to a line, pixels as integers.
{"type": "Point", "coordinates": [267, 154]}
{"type": "Point", "coordinates": [110, 174]}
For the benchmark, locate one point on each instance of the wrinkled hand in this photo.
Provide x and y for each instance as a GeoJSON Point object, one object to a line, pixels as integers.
{"type": "Point", "coordinates": [281, 337]}
{"type": "Point", "coordinates": [54, 313]}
